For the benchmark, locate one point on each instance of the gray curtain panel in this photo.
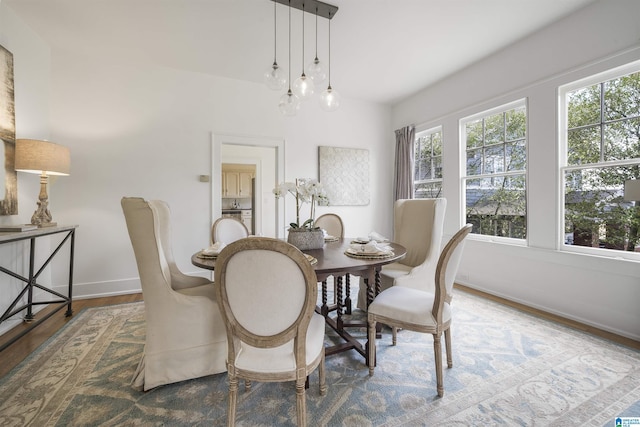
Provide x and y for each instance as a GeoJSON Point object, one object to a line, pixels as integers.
{"type": "Point", "coordinates": [403, 185]}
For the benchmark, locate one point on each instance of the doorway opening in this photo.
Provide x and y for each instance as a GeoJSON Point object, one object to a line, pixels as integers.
{"type": "Point", "coordinates": [267, 155]}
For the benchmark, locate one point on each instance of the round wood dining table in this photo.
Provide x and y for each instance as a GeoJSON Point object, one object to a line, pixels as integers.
{"type": "Point", "coordinates": [333, 261]}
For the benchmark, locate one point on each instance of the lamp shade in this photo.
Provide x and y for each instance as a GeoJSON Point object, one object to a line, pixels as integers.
{"type": "Point", "coordinates": [632, 190]}
{"type": "Point", "coordinates": [36, 156]}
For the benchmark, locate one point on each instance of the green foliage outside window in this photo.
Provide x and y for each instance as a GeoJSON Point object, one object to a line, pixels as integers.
{"type": "Point", "coordinates": [428, 165]}
{"type": "Point", "coordinates": [603, 150]}
{"type": "Point", "coordinates": [495, 168]}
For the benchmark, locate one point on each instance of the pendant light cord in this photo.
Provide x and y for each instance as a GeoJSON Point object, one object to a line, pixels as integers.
{"type": "Point", "coordinates": [316, 33]}
{"type": "Point", "coordinates": [275, 35]}
{"type": "Point", "coordinates": [329, 50]}
{"type": "Point", "coordinates": [303, 38]}
{"type": "Point", "coordinates": [289, 47]}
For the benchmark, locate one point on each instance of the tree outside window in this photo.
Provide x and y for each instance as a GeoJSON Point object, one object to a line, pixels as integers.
{"type": "Point", "coordinates": [427, 177]}
{"type": "Point", "coordinates": [495, 181]}
{"type": "Point", "coordinates": [602, 150]}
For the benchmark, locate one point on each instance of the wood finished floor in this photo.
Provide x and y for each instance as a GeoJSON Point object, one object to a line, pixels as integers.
{"type": "Point", "coordinates": [19, 350]}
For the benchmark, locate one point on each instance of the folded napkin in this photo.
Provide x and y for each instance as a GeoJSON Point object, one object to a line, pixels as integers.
{"type": "Point", "coordinates": [371, 248]}
{"type": "Point", "coordinates": [214, 249]}
{"type": "Point", "coordinates": [377, 237]}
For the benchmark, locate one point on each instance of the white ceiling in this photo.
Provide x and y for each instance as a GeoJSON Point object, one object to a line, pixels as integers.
{"type": "Point", "coordinates": [381, 51]}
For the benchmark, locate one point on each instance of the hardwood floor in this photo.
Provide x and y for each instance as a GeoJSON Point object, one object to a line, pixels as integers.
{"type": "Point", "coordinates": [19, 350]}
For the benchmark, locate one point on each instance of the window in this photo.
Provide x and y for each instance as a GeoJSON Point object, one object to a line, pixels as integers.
{"type": "Point", "coordinates": [495, 182]}
{"type": "Point", "coordinates": [600, 140]}
{"type": "Point", "coordinates": [427, 176]}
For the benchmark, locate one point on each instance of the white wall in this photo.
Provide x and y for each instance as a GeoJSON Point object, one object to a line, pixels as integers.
{"type": "Point", "coordinates": [140, 130]}
{"type": "Point", "coordinates": [31, 59]}
{"type": "Point", "coordinates": [603, 292]}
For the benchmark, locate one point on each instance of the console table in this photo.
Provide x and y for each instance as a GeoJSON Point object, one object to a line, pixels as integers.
{"type": "Point", "coordinates": [31, 281]}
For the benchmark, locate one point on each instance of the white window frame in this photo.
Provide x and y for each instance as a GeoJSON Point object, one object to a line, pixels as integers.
{"type": "Point", "coordinates": [418, 135]}
{"type": "Point", "coordinates": [611, 74]}
{"type": "Point", "coordinates": [523, 102]}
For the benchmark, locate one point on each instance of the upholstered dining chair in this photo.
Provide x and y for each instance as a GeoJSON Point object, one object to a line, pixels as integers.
{"type": "Point", "coordinates": [418, 226]}
{"type": "Point", "coordinates": [228, 230]}
{"type": "Point", "coordinates": [267, 291]}
{"type": "Point", "coordinates": [421, 311]}
{"type": "Point", "coordinates": [333, 225]}
{"type": "Point", "coordinates": [185, 334]}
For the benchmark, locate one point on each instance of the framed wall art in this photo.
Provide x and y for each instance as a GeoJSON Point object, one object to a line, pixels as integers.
{"type": "Point", "coordinates": [344, 174]}
{"type": "Point", "coordinates": [8, 175]}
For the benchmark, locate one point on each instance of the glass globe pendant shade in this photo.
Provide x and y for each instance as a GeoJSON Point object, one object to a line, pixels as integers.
{"type": "Point", "coordinates": [274, 77]}
{"type": "Point", "coordinates": [303, 87]}
{"type": "Point", "coordinates": [330, 100]}
{"type": "Point", "coordinates": [316, 71]}
{"type": "Point", "coordinates": [289, 104]}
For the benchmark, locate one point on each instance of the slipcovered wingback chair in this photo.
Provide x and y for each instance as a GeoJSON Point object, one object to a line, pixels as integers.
{"type": "Point", "coordinates": [421, 311]}
{"type": "Point", "coordinates": [267, 291]}
{"type": "Point", "coordinates": [418, 226]}
{"type": "Point", "coordinates": [185, 334]}
{"type": "Point", "coordinates": [227, 230]}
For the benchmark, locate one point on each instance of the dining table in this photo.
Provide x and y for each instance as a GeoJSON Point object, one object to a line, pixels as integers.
{"type": "Point", "coordinates": [336, 259]}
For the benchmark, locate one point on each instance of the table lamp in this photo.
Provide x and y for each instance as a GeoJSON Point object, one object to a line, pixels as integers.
{"type": "Point", "coordinates": [632, 190]}
{"type": "Point", "coordinates": [44, 158]}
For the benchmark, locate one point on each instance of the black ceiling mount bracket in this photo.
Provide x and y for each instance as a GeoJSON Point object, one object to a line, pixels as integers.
{"type": "Point", "coordinates": [325, 10]}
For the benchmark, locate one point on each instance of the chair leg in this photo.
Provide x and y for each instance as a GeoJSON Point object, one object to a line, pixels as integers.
{"type": "Point", "coordinates": [394, 335]}
{"type": "Point", "coordinates": [301, 403]}
{"type": "Point", "coordinates": [233, 394]}
{"type": "Point", "coordinates": [247, 385]}
{"type": "Point", "coordinates": [437, 349]}
{"type": "Point", "coordinates": [447, 344]}
{"type": "Point", "coordinates": [371, 344]}
{"type": "Point", "coordinates": [321, 375]}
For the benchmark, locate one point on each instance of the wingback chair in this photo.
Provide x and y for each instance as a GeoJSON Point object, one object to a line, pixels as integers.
{"type": "Point", "coordinates": [227, 230]}
{"type": "Point", "coordinates": [267, 291]}
{"type": "Point", "coordinates": [185, 334]}
{"type": "Point", "coordinates": [418, 226]}
{"type": "Point", "coordinates": [419, 310]}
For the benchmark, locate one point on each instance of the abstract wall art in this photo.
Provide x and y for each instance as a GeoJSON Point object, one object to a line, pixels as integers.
{"type": "Point", "coordinates": [344, 174]}
{"type": "Point", "coordinates": [8, 175]}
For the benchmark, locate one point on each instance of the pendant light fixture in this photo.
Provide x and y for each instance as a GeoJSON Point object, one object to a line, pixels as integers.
{"type": "Point", "coordinates": [289, 103]}
{"type": "Point", "coordinates": [315, 69]}
{"type": "Point", "coordinates": [330, 99]}
{"type": "Point", "coordinates": [303, 86]}
{"type": "Point", "coordinates": [314, 74]}
{"type": "Point", "coordinates": [275, 77]}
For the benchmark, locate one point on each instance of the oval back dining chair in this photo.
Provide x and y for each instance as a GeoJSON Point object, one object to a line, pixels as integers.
{"type": "Point", "coordinates": [267, 291]}
{"type": "Point", "coordinates": [421, 311]}
{"type": "Point", "coordinates": [185, 335]}
{"type": "Point", "coordinates": [333, 225]}
{"type": "Point", "coordinates": [227, 230]}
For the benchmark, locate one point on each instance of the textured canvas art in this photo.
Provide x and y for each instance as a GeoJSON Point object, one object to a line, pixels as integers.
{"type": "Point", "coordinates": [344, 174]}
{"type": "Point", "coordinates": [8, 176]}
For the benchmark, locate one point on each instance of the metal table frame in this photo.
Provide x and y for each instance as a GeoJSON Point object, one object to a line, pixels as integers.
{"type": "Point", "coordinates": [31, 281]}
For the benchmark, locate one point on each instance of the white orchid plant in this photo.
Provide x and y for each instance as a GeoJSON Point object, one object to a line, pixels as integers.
{"type": "Point", "coordinates": [305, 190]}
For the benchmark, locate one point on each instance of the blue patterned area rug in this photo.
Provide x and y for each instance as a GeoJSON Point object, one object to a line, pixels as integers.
{"type": "Point", "coordinates": [509, 369]}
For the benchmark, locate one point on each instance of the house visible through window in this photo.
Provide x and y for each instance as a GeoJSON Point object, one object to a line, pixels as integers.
{"type": "Point", "coordinates": [600, 140]}
{"type": "Point", "coordinates": [495, 181]}
{"type": "Point", "coordinates": [427, 177]}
